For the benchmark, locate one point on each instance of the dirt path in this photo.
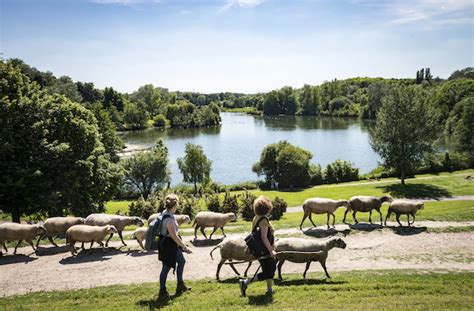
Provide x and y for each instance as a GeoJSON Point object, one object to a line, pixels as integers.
{"type": "Point", "coordinates": [54, 268]}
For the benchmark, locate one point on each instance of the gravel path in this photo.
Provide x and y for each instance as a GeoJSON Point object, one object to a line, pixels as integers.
{"type": "Point", "coordinates": [369, 248]}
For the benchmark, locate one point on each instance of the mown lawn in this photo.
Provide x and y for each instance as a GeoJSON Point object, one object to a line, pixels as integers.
{"type": "Point", "coordinates": [357, 290]}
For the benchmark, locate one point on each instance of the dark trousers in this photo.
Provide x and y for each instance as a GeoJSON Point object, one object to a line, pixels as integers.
{"type": "Point", "coordinates": [268, 269]}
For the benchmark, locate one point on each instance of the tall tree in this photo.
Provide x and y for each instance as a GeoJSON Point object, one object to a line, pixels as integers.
{"type": "Point", "coordinates": [148, 170]}
{"type": "Point", "coordinates": [464, 131]}
{"type": "Point", "coordinates": [195, 166]}
{"type": "Point", "coordinates": [405, 129]}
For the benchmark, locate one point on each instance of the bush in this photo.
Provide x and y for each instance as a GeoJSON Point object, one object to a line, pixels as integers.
{"type": "Point", "coordinates": [246, 205]}
{"type": "Point", "coordinates": [212, 203]}
{"type": "Point", "coordinates": [126, 192]}
{"type": "Point", "coordinates": [141, 208]}
{"type": "Point", "coordinates": [248, 185]}
{"type": "Point", "coordinates": [316, 174]}
{"type": "Point", "coordinates": [340, 171]}
{"type": "Point", "coordinates": [159, 121]}
{"type": "Point", "coordinates": [188, 206]}
{"type": "Point", "coordinates": [279, 208]}
{"type": "Point", "coordinates": [230, 204]}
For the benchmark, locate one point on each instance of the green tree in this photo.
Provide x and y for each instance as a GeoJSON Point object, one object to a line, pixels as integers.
{"type": "Point", "coordinates": [148, 98]}
{"type": "Point", "coordinates": [309, 100]}
{"type": "Point", "coordinates": [376, 91]}
{"type": "Point", "coordinates": [195, 166]}
{"type": "Point", "coordinates": [148, 170]}
{"type": "Point", "coordinates": [51, 155]}
{"type": "Point", "coordinates": [405, 129]}
{"type": "Point", "coordinates": [113, 98]}
{"type": "Point", "coordinates": [134, 117]}
{"type": "Point", "coordinates": [464, 132]}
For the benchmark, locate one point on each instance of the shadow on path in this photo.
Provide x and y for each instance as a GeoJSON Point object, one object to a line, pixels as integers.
{"type": "Point", "coordinates": [12, 259]}
{"type": "Point", "coordinates": [90, 255]}
{"type": "Point", "coordinates": [206, 242]}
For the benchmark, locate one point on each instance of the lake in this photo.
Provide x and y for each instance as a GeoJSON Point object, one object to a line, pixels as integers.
{"type": "Point", "coordinates": [236, 145]}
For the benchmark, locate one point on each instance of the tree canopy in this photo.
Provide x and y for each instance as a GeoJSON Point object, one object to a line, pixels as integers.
{"type": "Point", "coordinates": [195, 166]}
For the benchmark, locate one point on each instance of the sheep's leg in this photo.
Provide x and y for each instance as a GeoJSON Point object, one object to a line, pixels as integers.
{"type": "Point", "coordinates": [195, 231]}
{"type": "Point", "coordinates": [280, 264]}
{"type": "Point", "coordinates": [413, 216]}
{"type": "Point", "coordinates": [380, 214]}
{"type": "Point", "coordinates": [247, 270]}
{"type": "Point", "coordinates": [370, 216]}
{"type": "Point", "coordinates": [71, 246]}
{"type": "Point", "coordinates": [304, 217]}
{"type": "Point", "coordinates": [345, 214]}
{"type": "Point", "coordinates": [140, 243]}
{"type": "Point", "coordinates": [215, 228]}
{"type": "Point", "coordinates": [333, 220]}
{"type": "Point", "coordinates": [14, 252]}
{"type": "Point", "coordinates": [40, 238]}
{"type": "Point", "coordinates": [92, 243]}
{"type": "Point", "coordinates": [389, 212]}
{"type": "Point", "coordinates": [354, 216]}
{"type": "Point", "coordinates": [398, 219]}
{"type": "Point", "coordinates": [306, 269]}
{"type": "Point", "coordinates": [102, 244]}
{"type": "Point", "coordinates": [107, 243]}
{"type": "Point", "coordinates": [327, 223]}
{"type": "Point", "coordinates": [5, 247]}
{"type": "Point", "coordinates": [82, 246]}
{"type": "Point", "coordinates": [311, 219]}
{"type": "Point", "coordinates": [223, 233]}
{"type": "Point", "coordinates": [203, 233]}
{"type": "Point", "coordinates": [323, 264]}
{"type": "Point", "coordinates": [50, 238]}
{"type": "Point", "coordinates": [408, 220]}
{"type": "Point", "coordinates": [121, 238]}
{"type": "Point", "coordinates": [233, 268]}
{"type": "Point", "coordinates": [32, 245]}
{"type": "Point", "coordinates": [219, 266]}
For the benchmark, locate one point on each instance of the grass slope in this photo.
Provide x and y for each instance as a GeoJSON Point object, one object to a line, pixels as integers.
{"type": "Point", "coordinates": [359, 290]}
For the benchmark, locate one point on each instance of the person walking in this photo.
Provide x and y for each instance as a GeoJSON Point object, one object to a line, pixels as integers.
{"type": "Point", "coordinates": [172, 247]}
{"type": "Point", "coordinates": [262, 207]}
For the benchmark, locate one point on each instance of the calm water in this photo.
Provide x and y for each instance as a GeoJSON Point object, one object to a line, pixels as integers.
{"type": "Point", "coordinates": [236, 145]}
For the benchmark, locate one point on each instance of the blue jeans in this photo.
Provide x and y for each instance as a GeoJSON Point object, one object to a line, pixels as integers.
{"type": "Point", "coordinates": [180, 261]}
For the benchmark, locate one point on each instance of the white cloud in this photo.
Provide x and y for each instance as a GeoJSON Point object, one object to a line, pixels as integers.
{"type": "Point", "coordinates": [440, 11]}
{"type": "Point", "coordinates": [241, 3]}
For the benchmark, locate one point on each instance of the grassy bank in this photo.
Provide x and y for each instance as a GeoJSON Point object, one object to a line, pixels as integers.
{"type": "Point", "coordinates": [364, 290]}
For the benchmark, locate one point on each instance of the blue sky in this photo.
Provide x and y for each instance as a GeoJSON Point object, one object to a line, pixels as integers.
{"type": "Point", "coordinates": [237, 45]}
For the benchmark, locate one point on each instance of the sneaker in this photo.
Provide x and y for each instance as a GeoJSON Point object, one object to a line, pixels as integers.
{"type": "Point", "coordinates": [243, 286]}
{"type": "Point", "coordinates": [181, 288]}
{"type": "Point", "coordinates": [163, 294]}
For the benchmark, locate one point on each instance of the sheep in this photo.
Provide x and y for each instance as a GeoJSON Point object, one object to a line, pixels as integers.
{"type": "Point", "coordinates": [140, 233]}
{"type": "Point", "coordinates": [366, 204]}
{"type": "Point", "coordinates": [19, 232]}
{"type": "Point", "coordinates": [86, 233]}
{"type": "Point", "coordinates": [405, 207]}
{"type": "Point", "coordinates": [58, 226]}
{"type": "Point", "coordinates": [233, 248]}
{"type": "Point", "coordinates": [181, 219]}
{"type": "Point", "coordinates": [317, 251]}
{"type": "Point", "coordinates": [120, 222]}
{"type": "Point", "coordinates": [321, 206]}
{"type": "Point", "coordinates": [211, 219]}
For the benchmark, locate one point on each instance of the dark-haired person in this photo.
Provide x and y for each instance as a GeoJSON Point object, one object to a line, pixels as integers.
{"type": "Point", "coordinates": [171, 253]}
{"type": "Point", "coordinates": [262, 208]}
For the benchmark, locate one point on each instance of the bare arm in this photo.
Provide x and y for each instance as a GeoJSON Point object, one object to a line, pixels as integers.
{"type": "Point", "coordinates": [172, 232]}
{"type": "Point", "coordinates": [264, 226]}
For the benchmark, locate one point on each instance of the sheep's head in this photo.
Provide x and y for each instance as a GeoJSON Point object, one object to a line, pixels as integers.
{"type": "Point", "coordinates": [187, 219]}
{"type": "Point", "coordinates": [138, 221]}
{"type": "Point", "coordinates": [386, 198]}
{"type": "Point", "coordinates": [340, 243]}
{"type": "Point", "coordinates": [81, 220]}
{"type": "Point", "coordinates": [231, 217]}
{"type": "Point", "coordinates": [420, 205]}
{"type": "Point", "coordinates": [345, 203]}
{"type": "Point", "coordinates": [40, 229]}
{"type": "Point", "coordinates": [111, 229]}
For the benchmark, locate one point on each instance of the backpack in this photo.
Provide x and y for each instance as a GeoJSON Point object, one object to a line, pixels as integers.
{"type": "Point", "coordinates": [254, 241]}
{"type": "Point", "coordinates": [154, 229]}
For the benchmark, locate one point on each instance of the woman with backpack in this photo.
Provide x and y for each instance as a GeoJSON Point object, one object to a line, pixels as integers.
{"type": "Point", "coordinates": [263, 230]}
{"type": "Point", "coordinates": [171, 247]}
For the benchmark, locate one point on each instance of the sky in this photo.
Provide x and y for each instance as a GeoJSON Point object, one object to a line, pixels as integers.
{"type": "Point", "coordinates": [236, 45]}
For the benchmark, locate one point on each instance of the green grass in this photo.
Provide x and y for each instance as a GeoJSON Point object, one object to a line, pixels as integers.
{"type": "Point", "coordinates": [357, 290]}
{"type": "Point", "coordinates": [249, 110]}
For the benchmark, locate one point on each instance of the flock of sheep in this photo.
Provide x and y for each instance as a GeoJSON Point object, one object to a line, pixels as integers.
{"type": "Point", "coordinates": [96, 227]}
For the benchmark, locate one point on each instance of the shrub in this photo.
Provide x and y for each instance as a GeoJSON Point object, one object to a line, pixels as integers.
{"type": "Point", "coordinates": [243, 186]}
{"type": "Point", "coordinates": [212, 203]}
{"type": "Point", "coordinates": [230, 204]}
{"type": "Point", "coordinates": [341, 171]}
{"type": "Point", "coordinates": [279, 208]}
{"type": "Point", "coordinates": [316, 174]}
{"type": "Point", "coordinates": [246, 205]}
{"type": "Point", "coordinates": [159, 121]}
{"type": "Point", "coordinates": [188, 206]}
{"type": "Point", "coordinates": [141, 208]}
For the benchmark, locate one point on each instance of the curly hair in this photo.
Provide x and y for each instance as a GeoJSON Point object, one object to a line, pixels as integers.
{"type": "Point", "coordinates": [262, 206]}
{"type": "Point", "coordinates": [171, 201]}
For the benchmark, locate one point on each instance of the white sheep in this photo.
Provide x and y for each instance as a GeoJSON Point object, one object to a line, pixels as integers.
{"type": "Point", "coordinates": [140, 233]}
{"type": "Point", "coordinates": [86, 233]}
{"type": "Point", "coordinates": [366, 204]}
{"type": "Point", "coordinates": [211, 219]}
{"type": "Point", "coordinates": [19, 232]}
{"type": "Point", "coordinates": [181, 219]}
{"type": "Point", "coordinates": [317, 251]}
{"type": "Point", "coordinates": [321, 206]}
{"type": "Point", "coordinates": [233, 248]}
{"type": "Point", "coordinates": [120, 222]}
{"type": "Point", "coordinates": [404, 207]}
{"type": "Point", "coordinates": [58, 226]}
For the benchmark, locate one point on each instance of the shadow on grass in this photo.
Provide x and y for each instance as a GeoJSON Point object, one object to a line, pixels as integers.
{"type": "Point", "coordinates": [260, 300]}
{"type": "Point", "coordinates": [155, 303]}
{"type": "Point", "coordinates": [308, 282]}
{"type": "Point", "coordinates": [6, 260]}
{"type": "Point", "coordinates": [233, 280]}
{"type": "Point", "coordinates": [415, 191]}
{"type": "Point", "coordinates": [206, 242]}
{"type": "Point", "coordinates": [324, 233]}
